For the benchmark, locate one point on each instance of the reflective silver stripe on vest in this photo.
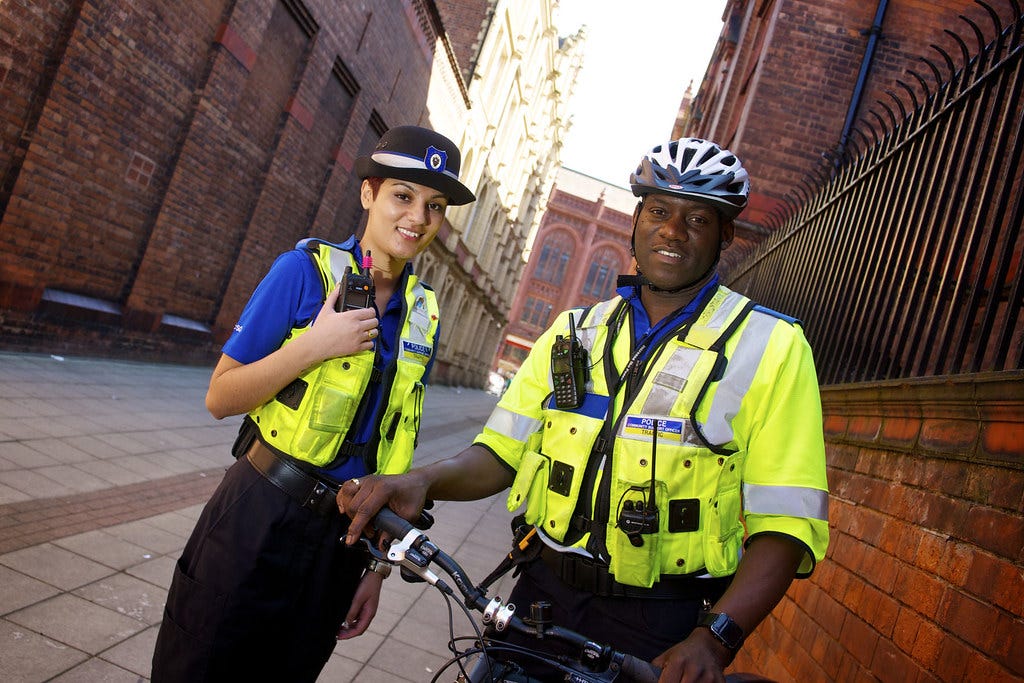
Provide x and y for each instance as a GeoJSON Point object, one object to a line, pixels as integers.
{"type": "Point", "coordinates": [788, 501]}
{"type": "Point", "coordinates": [598, 313]}
{"type": "Point", "coordinates": [419, 318]}
{"type": "Point", "coordinates": [340, 260]}
{"type": "Point", "coordinates": [586, 330]}
{"type": "Point", "coordinates": [739, 374]}
{"type": "Point", "coordinates": [512, 425]}
{"type": "Point", "coordinates": [669, 382]}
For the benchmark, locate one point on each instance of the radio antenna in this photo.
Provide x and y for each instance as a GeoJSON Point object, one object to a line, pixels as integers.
{"type": "Point", "coordinates": [654, 452]}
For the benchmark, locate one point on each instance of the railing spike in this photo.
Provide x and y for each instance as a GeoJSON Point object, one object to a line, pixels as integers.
{"type": "Point", "coordinates": [910, 91]}
{"type": "Point", "coordinates": [881, 122]}
{"type": "Point", "coordinates": [899, 103]}
{"type": "Point", "coordinates": [892, 115]}
{"type": "Point", "coordinates": [949, 60]}
{"type": "Point", "coordinates": [874, 133]}
{"type": "Point", "coordinates": [963, 46]}
{"type": "Point", "coordinates": [820, 175]}
{"type": "Point", "coordinates": [935, 72]}
{"type": "Point", "coordinates": [924, 84]}
{"type": "Point", "coordinates": [863, 139]}
{"type": "Point", "coordinates": [997, 25]}
{"type": "Point", "coordinates": [978, 35]}
{"type": "Point", "coordinates": [802, 191]}
{"type": "Point", "coordinates": [1017, 22]}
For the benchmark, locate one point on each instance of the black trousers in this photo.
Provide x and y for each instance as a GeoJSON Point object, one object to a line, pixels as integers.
{"type": "Point", "coordinates": [643, 628]}
{"type": "Point", "coordinates": [260, 591]}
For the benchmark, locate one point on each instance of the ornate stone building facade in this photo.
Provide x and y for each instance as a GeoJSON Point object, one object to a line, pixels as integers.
{"type": "Point", "coordinates": [580, 249]}
{"type": "Point", "coordinates": [519, 80]}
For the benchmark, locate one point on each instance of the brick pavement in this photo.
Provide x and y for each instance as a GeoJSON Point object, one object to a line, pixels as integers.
{"type": "Point", "coordinates": [104, 466]}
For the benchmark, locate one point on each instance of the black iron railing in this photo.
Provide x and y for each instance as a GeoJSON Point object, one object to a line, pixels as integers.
{"type": "Point", "coordinates": [903, 255]}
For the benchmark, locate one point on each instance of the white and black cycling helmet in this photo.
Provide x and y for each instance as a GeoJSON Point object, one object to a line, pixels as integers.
{"type": "Point", "coordinates": [694, 168]}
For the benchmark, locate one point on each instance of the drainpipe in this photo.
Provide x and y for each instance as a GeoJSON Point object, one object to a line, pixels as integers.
{"type": "Point", "coordinates": [865, 68]}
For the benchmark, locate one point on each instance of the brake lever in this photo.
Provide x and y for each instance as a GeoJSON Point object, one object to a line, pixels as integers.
{"type": "Point", "coordinates": [373, 550]}
{"type": "Point", "coordinates": [403, 552]}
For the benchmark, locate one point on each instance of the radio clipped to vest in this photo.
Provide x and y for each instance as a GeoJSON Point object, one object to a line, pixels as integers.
{"type": "Point", "coordinates": [639, 517]}
{"type": "Point", "coordinates": [356, 287]}
{"type": "Point", "coordinates": [568, 369]}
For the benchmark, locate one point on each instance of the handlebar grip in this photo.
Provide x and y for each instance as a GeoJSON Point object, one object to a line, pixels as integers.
{"type": "Point", "coordinates": [387, 521]}
{"type": "Point", "coordinates": [639, 670]}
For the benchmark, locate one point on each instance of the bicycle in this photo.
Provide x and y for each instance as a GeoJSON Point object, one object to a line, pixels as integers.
{"type": "Point", "coordinates": [414, 552]}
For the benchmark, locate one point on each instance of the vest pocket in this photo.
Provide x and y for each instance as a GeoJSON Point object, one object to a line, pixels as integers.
{"type": "Point", "coordinates": [530, 485]}
{"type": "Point", "coordinates": [723, 531]}
{"type": "Point", "coordinates": [399, 430]}
{"type": "Point", "coordinates": [635, 565]}
{"type": "Point", "coordinates": [332, 408]}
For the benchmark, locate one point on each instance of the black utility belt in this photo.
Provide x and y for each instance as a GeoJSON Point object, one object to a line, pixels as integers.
{"type": "Point", "coordinates": [585, 574]}
{"type": "Point", "coordinates": [301, 486]}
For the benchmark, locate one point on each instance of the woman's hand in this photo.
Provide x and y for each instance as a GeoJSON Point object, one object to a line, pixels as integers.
{"type": "Point", "coordinates": [336, 334]}
{"type": "Point", "coordinates": [363, 607]}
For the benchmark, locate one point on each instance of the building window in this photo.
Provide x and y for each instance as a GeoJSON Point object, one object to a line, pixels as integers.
{"type": "Point", "coordinates": [554, 256]}
{"type": "Point", "coordinates": [536, 312]}
{"type": "Point", "coordinates": [601, 277]}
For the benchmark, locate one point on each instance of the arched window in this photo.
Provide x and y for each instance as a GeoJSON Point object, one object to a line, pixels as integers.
{"type": "Point", "coordinates": [536, 312]}
{"type": "Point", "coordinates": [554, 256]}
{"type": "Point", "coordinates": [601, 277]}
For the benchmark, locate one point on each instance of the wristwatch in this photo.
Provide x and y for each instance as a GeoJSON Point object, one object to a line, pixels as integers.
{"type": "Point", "coordinates": [727, 631]}
{"type": "Point", "coordinates": [382, 568]}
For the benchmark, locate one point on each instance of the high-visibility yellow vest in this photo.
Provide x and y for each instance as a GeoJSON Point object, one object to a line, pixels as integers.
{"type": "Point", "coordinates": [309, 419]}
{"type": "Point", "coordinates": [735, 395]}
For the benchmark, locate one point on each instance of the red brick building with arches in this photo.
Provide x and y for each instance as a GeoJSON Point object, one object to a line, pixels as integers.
{"type": "Point", "coordinates": [581, 247]}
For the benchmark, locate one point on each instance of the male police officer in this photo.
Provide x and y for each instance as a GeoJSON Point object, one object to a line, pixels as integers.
{"type": "Point", "coordinates": [684, 486]}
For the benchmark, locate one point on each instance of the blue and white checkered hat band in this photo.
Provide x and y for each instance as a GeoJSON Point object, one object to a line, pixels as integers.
{"type": "Point", "coordinates": [399, 160]}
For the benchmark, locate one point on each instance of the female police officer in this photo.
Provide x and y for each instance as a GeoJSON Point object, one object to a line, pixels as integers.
{"type": "Point", "coordinates": [684, 485]}
{"type": "Point", "coordinates": [264, 588]}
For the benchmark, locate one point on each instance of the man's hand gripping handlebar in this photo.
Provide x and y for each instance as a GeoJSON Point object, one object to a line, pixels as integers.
{"type": "Point", "coordinates": [411, 549]}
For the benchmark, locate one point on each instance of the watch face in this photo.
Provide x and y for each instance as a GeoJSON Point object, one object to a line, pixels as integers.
{"type": "Point", "coordinates": [724, 628]}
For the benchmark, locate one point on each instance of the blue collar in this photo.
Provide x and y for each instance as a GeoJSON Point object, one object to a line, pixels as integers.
{"type": "Point", "coordinates": [642, 330]}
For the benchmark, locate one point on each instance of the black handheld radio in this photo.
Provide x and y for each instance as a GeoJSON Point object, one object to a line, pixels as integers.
{"type": "Point", "coordinates": [640, 517]}
{"type": "Point", "coordinates": [356, 288]}
{"type": "Point", "coordinates": [568, 369]}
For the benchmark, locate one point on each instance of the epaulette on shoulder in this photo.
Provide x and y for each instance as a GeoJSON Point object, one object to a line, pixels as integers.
{"type": "Point", "coordinates": [775, 314]}
{"type": "Point", "coordinates": [313, 243]}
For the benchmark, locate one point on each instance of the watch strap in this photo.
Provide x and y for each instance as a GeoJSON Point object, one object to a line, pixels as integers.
{"type": "Point", "coordinates": [382, 568]}
{"type": "Point", "coordinates": [721, 625]}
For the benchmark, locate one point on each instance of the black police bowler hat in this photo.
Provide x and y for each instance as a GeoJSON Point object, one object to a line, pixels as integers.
{"type": "Point", "coordinates": [419, 155]}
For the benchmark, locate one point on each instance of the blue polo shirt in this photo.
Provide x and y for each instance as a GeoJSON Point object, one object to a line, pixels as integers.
{"type": "Point", "coordinates": [289, 296]}
{"type": "Point", "coordinates": [643, 332]}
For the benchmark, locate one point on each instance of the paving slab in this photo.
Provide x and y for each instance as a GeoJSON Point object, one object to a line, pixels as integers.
{"type": "Point", "coordinates": [108, 466]}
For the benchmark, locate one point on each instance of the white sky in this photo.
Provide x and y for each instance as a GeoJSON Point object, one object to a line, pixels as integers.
{"type": "Point", "coordinates": [639, 56]}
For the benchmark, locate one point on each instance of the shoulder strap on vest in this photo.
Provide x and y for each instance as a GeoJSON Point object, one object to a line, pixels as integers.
{"type": "Point", "coordinates": [719, 369]}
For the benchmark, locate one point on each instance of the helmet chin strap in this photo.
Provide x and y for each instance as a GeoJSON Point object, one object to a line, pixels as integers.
{"type": "Point", "coordinates": [640, 280]}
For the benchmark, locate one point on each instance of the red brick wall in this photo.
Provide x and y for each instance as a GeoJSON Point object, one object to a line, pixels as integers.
{"type": "Point", "coordinates": [794, 71]}
{"type": "Point", "coordinates": [924, 577]}
{"type": "Point", "coordinates": [147, 147]}
{"type": "Point", "coordinates": [465, 21]}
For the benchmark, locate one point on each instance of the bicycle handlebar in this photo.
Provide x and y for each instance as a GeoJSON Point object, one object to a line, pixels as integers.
{"type": "Point", "coordinates": [412, 549]}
